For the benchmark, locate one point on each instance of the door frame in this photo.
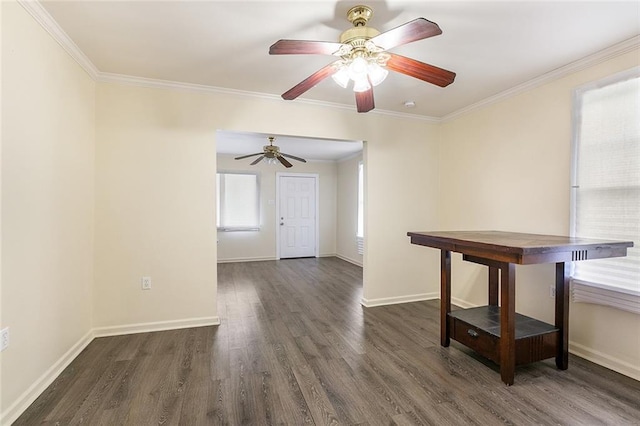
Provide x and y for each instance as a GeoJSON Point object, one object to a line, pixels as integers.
{"type": "Point", "coordinates": [316, 178]}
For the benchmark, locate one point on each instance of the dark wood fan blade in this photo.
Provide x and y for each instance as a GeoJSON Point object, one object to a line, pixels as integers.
{"type": "Point", "coordinates": [249, 155]}
{"type": "Point", "coordinates": [257, 160]}
{"type": "Point", "coordinates": [417, 29]}
{"type": "Point", "coordinates": [364, 100]}
{"type": "Point", "coordinates": [303, 47]}
{"type": "Point", "coordinates": [420, 70]}
{"type": "Point", "coordinates": [284, 161]}
{"type": "Point", "coordinates": [293, 156]}
{"type": "Point", "coordinates": [309, 82]}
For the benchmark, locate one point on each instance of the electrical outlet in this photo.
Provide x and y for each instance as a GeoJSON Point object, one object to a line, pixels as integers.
{"type": "Point", "coordinates": [146, 283]}
{"type": "Point", "coordinates": [4, 338]}
{"type": "Point", "coordinates": [552, 291]}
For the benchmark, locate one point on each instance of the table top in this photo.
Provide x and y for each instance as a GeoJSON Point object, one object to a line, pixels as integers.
{"type": "Point", "coordinates": [521, 248]}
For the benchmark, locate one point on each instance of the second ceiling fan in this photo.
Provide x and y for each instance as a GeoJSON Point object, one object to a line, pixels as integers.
{"type": "Point", "coordinates": [364, 58]}
{"type": "Point", "coordinates": [272, 153]}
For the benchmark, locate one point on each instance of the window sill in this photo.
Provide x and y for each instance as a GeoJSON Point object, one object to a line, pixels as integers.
{"type": "Point", "coordinates": [600, 294]}
{"type": "Point", "coordinates": [239, 229]}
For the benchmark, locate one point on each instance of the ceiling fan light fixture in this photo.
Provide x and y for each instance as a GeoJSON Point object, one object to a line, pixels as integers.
{"type": "Point", "coordinates": [362, 84]}
{"type": "Point", "coordinates": [358, 68]}
{"type": "Point", "coordinates": [377, 74]}
{"type": "Point", "coordinates": [341, 77]}
{"type": "Point", "coordinates": [365, 72]}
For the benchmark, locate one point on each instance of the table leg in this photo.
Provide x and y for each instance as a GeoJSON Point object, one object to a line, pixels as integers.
{"type": "Point", "coordinates": [493, 286]}
{"type": "Point", "coordinates": [562, 315]}
{"type": "Point", "coordinates": [445, 296]}
{"type": "Point", "coordinates": [507, 323]}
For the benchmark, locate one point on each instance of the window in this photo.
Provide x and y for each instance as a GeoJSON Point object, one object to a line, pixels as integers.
{"type": "Point", "coordinates": [360, 231]}
{"type": "Point", "coordinates": [606, 188]}
{"type": "Point", "coordinates": [238, 202]}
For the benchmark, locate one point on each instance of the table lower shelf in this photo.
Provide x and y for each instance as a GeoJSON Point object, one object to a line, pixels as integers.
{"type": "Point", "coordinates": [479, 329]}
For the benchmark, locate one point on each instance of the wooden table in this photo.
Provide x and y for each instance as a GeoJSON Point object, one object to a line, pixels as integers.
{"type": "Point", "coordinates": [498, 332]}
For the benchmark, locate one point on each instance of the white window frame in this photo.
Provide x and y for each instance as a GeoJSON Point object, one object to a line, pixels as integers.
{"type": "Point", "coordinates": [219, 197]}
{"type": "Point", "coordinates": [360, 210]}
{"type": "Point", "coordinates": [586, 291]}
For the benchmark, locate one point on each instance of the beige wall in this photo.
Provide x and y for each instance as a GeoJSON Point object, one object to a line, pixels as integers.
{"type": "Point", "coordinates": [155, 196]}
{"type": "Point", "coordinates": [155, 209]}
{"type": "Point", "coordinates": [47, 203]}
{"type": "Point", "coordinates": [506, 167]}
{"type": "Point", "coordinates": [261, 245]}
{"type": "Point", "coordinates": [347, 214]}
{"type": "Point", "coordinates": [401, 187]}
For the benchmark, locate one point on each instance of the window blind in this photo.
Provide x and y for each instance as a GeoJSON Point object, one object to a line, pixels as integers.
{"type": "Point", "coordinates": [606, 198]}
{"type": "Point", "coordinates": [238, 204]}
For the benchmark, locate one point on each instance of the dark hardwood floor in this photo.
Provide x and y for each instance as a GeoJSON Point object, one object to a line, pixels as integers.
{"type": "Point", "coordinates": [295, 346]}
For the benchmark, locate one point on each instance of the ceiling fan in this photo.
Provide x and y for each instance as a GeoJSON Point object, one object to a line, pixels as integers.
{"type": "Point", "coordinates": [272, 153]}
{"type": "Point", "coordinates": [364, 57]}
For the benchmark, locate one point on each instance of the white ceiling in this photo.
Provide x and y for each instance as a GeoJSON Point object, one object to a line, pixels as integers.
{"type": "Point", "coordinates": [492, 46]}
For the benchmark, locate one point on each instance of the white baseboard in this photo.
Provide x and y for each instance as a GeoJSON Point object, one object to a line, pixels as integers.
{"type": "Point", "coordinates": [348, 259]}
{"type": "Point", "coordinates": [146, 327]}
{"type": "Point", "coordinates": [262, 259]}
{"type": "Point", "coordinates": [370, 303]}
{"type": "Point", "coordinates": [605, 360]}
{"type": "Point", "coordinates": [12, 413]}
{"type": "Point", "coordinates": [246, 259]}
{"type": "Point", "coordinates": [461, 303]}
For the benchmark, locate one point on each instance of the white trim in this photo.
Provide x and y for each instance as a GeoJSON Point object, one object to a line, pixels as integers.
{"type": "Point", "coordinates": [601, 294]}
{"type": "Point", "coordinates": [40, 385]}
{"type": "Point", "coordinates": [627, 74]}
{"type": "Point", "coordinates": [246, 259]}
{"type": "Point", "coordinates": [579, 65]}
{"type": "Point", "coordinates": [129, 80]}
{"type": "Point", "coordinates": [348, 259]}
{"type": "Point", "coordinates": [105, 77]}
{"type": "Point", "coordinates": [383, 301]}
{"type": "Point", "coordinates": [316, 177]}
{"type": "Point", "coordinates": [312, 160]}
{"type": "Point", "coordinates": [605, 360]}
{"type": "Point", "coordinates": [120, 330]}
{"type": "Point", "coordinates": [350, 156]}
{"type": "Point", "coordinates": [46, 21]}
{"type": "Point", "coordinates": [462, 303]}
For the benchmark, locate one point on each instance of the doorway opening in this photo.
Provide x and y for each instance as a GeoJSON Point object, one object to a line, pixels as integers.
{"type": "Point", "coordinates": [334, 163]}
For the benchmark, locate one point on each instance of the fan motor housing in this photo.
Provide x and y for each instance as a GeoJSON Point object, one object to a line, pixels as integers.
{"type": "Point", "coordinates": [358, 33]}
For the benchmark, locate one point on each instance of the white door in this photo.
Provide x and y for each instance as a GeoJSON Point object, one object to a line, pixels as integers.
{"type": "Point", "coordinates": [297, 216]}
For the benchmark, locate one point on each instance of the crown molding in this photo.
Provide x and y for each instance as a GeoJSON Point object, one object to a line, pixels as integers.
{"type": "Point", "coordinates": [105, 77]}
{"type": "Point", "coordinates": [350, 157]}
{"type": "Point", "coordinates": [46, 21]}
{"type": "Point", "coordinates": [579, 65]}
